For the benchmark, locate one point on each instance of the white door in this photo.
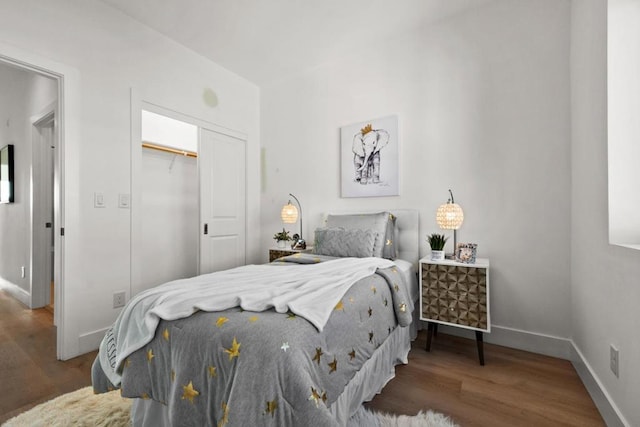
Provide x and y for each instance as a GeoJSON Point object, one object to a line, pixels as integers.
{"type": "Point", "coordinates": [44, 177]}
{"type": "Point", "coordinates": [221, 164]}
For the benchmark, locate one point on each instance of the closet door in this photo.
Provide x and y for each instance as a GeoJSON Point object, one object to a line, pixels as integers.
{"type": "Point", "coordinates": [221, 165]}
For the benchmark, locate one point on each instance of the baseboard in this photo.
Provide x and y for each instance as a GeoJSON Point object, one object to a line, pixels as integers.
{"type": "Point", "coordinates": [16, 291]}
{"type": "Point", "coordinates": [548, 345]}
{"type": "Point", "coordinates": [608, 409]}
{"type": "Point", "coordinates": [90, 341]}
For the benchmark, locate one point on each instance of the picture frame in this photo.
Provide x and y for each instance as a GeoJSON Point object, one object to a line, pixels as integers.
{"type": "Point", "coordinates": [466, 252]}
{"type": "Point", "coordinates": [6, 174]}
{"type": "Point", "coordinates": [370, 158]}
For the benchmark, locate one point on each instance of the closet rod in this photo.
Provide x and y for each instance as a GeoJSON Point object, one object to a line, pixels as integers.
{"type": "Point", "coordinates": [153, 146]}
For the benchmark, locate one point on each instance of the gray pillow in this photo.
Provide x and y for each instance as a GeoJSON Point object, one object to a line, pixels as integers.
{"type": "Point", "coordinates": [340, 242]}
{"type": "Point", "coordinates": [389, 249]}
{"type": "Point", "coordinates": [376, 221]}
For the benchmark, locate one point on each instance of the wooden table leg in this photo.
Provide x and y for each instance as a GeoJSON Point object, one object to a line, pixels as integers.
{"type": "Point", "coordinates": [430, 329]}
{"type": "Point", "coordinates": [480, 344]}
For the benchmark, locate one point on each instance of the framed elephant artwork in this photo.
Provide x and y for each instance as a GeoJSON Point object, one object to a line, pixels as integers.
{"type": "Point", "coordinates": [369, 158]}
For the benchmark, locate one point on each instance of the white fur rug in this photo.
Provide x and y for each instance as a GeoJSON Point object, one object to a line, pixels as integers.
{"type": "Point", "coordinates": [83, 408]}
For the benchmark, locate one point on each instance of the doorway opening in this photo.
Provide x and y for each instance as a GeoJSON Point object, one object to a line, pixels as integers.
{"type": "Point", "coordinates": [169, 199]}
{"type": "Point", "coordinates": [195, 221]}
{"type": "Point", "coordinates": [31, 260]}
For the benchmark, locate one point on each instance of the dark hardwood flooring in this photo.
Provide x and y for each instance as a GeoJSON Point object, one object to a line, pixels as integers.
{"type": "Point", "coordinates": [29, 371]}
{"type": "Point", "coordinates": [514, 388]}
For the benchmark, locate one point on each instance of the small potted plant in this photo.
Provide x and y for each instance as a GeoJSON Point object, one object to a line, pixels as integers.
{"type": "Point", "coordinates": [282, 237]}
{"type": "Point", "coordinates": [437, 241]}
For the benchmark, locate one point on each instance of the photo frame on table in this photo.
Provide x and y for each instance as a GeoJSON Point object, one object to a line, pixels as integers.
{"type": "Point", "coordinates": [369, 158]}
{"type": "Point", "coordinates": [466, 252]}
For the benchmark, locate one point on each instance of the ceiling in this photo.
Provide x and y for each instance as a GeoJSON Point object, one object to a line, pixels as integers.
{"type": "Point", "coordinates": [262, 40]}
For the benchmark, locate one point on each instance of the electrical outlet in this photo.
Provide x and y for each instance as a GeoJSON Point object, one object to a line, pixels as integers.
{"type": "Point", "coordinates": [614, 360]}
{"type": "Point", "coordinates": [118, 299]}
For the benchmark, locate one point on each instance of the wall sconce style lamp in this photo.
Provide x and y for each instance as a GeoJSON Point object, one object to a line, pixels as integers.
{"type": "Point", "coordinates": [289, 215]}
{"type": "Point", "coordinates": [450, 217]}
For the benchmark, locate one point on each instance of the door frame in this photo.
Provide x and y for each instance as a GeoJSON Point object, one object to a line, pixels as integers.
{"type": "Point", "coordinates": [65, 201]}
{"type": "Point", "coordinates": [137, 105]}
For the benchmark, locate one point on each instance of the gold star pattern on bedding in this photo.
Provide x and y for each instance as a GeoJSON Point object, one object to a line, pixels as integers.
{"type": "Point", "coordinates": [221, 321]}
{"type": "Point", "coordinates": [317, 397]}
{"type": "Point", "coordinates": [234, 350]}
{"type": "Point", "coordinates": [396, 287]}
{"type": "Point", "coordinates": [333, 366]}
{"type": "Point", "coordinates": [370, 311]}
{"type": "Point", "coordinates": [173, 375]}
{"type": "Point", "coordinates": [402, 307]}
{"type": "Point", "coordinates": [352, 354]}
{"type": "Point", "coordinates": [386, 302]}
{"type": "Point", "coordinates": [319, 353]}
{"type": "Point", "coordinates": [225, 415]}
{"type": "Point", "coordinates": [212, 371]}
{"type": "Point", "coordinates": [339, 306]}
{"type": "Point", "coordinates": [150, 355]}
{"type": "Point", "coordinates": [253, 319]}
{"type": "Point", "coordinates": [272, 405]}
{"type": "Point", "coordinates": [374, 289]}
{"type": "Point", "coordinates": [145, 396]}
{"type": "Point", "coordinates": [291, 315]}
{"type": "Point", "coordinates": [165, 334]}
{"type": "Point", "coordinates": [371, 336]}
{"type": "Point", "coordinates": [188, 392]}
{"type": "Point", "coordinates": [285, 346]}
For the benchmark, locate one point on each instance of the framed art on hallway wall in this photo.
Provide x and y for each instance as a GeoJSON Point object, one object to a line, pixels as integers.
{"type": "Point", "coordinates": [369, 158]}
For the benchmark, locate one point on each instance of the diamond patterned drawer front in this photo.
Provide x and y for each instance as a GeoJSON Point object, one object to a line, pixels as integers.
{"type": "Point", "coordinates": [455, 294]}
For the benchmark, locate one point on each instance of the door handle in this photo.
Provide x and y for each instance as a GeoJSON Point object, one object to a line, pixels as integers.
{"type": "Point", "coordinates": [206, 229]}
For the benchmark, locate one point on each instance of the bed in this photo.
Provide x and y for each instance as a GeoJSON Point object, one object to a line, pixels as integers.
{"type": "Point", "coordinates": [304, 340]}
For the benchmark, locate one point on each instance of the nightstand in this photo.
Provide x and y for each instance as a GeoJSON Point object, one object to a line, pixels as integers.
{"type": "Point", "coordinates": [455, 294]}
{"type": "Point", "coordinates": [275, 253]}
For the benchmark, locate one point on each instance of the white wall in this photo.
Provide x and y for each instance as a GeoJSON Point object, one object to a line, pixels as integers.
{"type": "Point", "coordinates": [14, 218]}
{"type": "Point", "coordinates": [107, 54]}
{"type": "Point", "coordinates": [604, 278]}
{"type": "Point", "coordinates": [483, 102]}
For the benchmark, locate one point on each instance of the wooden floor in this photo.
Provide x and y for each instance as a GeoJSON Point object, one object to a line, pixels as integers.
{"type": "Point", "coordinates": [29, 371]}
{"type": "Point", "coordinates": [514, 388]}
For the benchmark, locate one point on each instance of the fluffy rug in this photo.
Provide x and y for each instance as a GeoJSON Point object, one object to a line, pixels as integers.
{"type": "Point", "coordinates": [83, 408]}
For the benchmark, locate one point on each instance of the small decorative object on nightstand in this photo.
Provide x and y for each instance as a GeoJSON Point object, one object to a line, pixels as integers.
{"type": "Point", "coordinates": [282, 237]}
{"type": "Point", "coordinates": [275, 253]}
{"type": "Point", "coordinates": [455, 294]}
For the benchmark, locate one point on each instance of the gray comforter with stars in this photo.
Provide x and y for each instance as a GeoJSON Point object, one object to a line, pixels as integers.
{"type": "Point", "coordinates": [244, 368]}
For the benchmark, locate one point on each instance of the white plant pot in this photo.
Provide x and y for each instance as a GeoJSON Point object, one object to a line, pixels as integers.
{"type": "Point", "coordinates": [437, 255]}
{"type": "Point", "coordinates": [282, 244]}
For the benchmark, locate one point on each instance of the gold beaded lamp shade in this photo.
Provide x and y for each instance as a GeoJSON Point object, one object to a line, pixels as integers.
{"type": "Point", "coordinates": [289, 213]}
{"type": "Point", "coordinates": [450, 216]}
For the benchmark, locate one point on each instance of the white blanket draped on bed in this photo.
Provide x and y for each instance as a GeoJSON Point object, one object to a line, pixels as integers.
{"type": "Point", "coordinates": [310, 291]}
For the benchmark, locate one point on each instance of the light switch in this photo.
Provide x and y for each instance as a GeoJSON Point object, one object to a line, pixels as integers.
{"type": "Point", "coordinates": [124, 201]}
{"type": "Point", "coordinates": [98, 200]}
